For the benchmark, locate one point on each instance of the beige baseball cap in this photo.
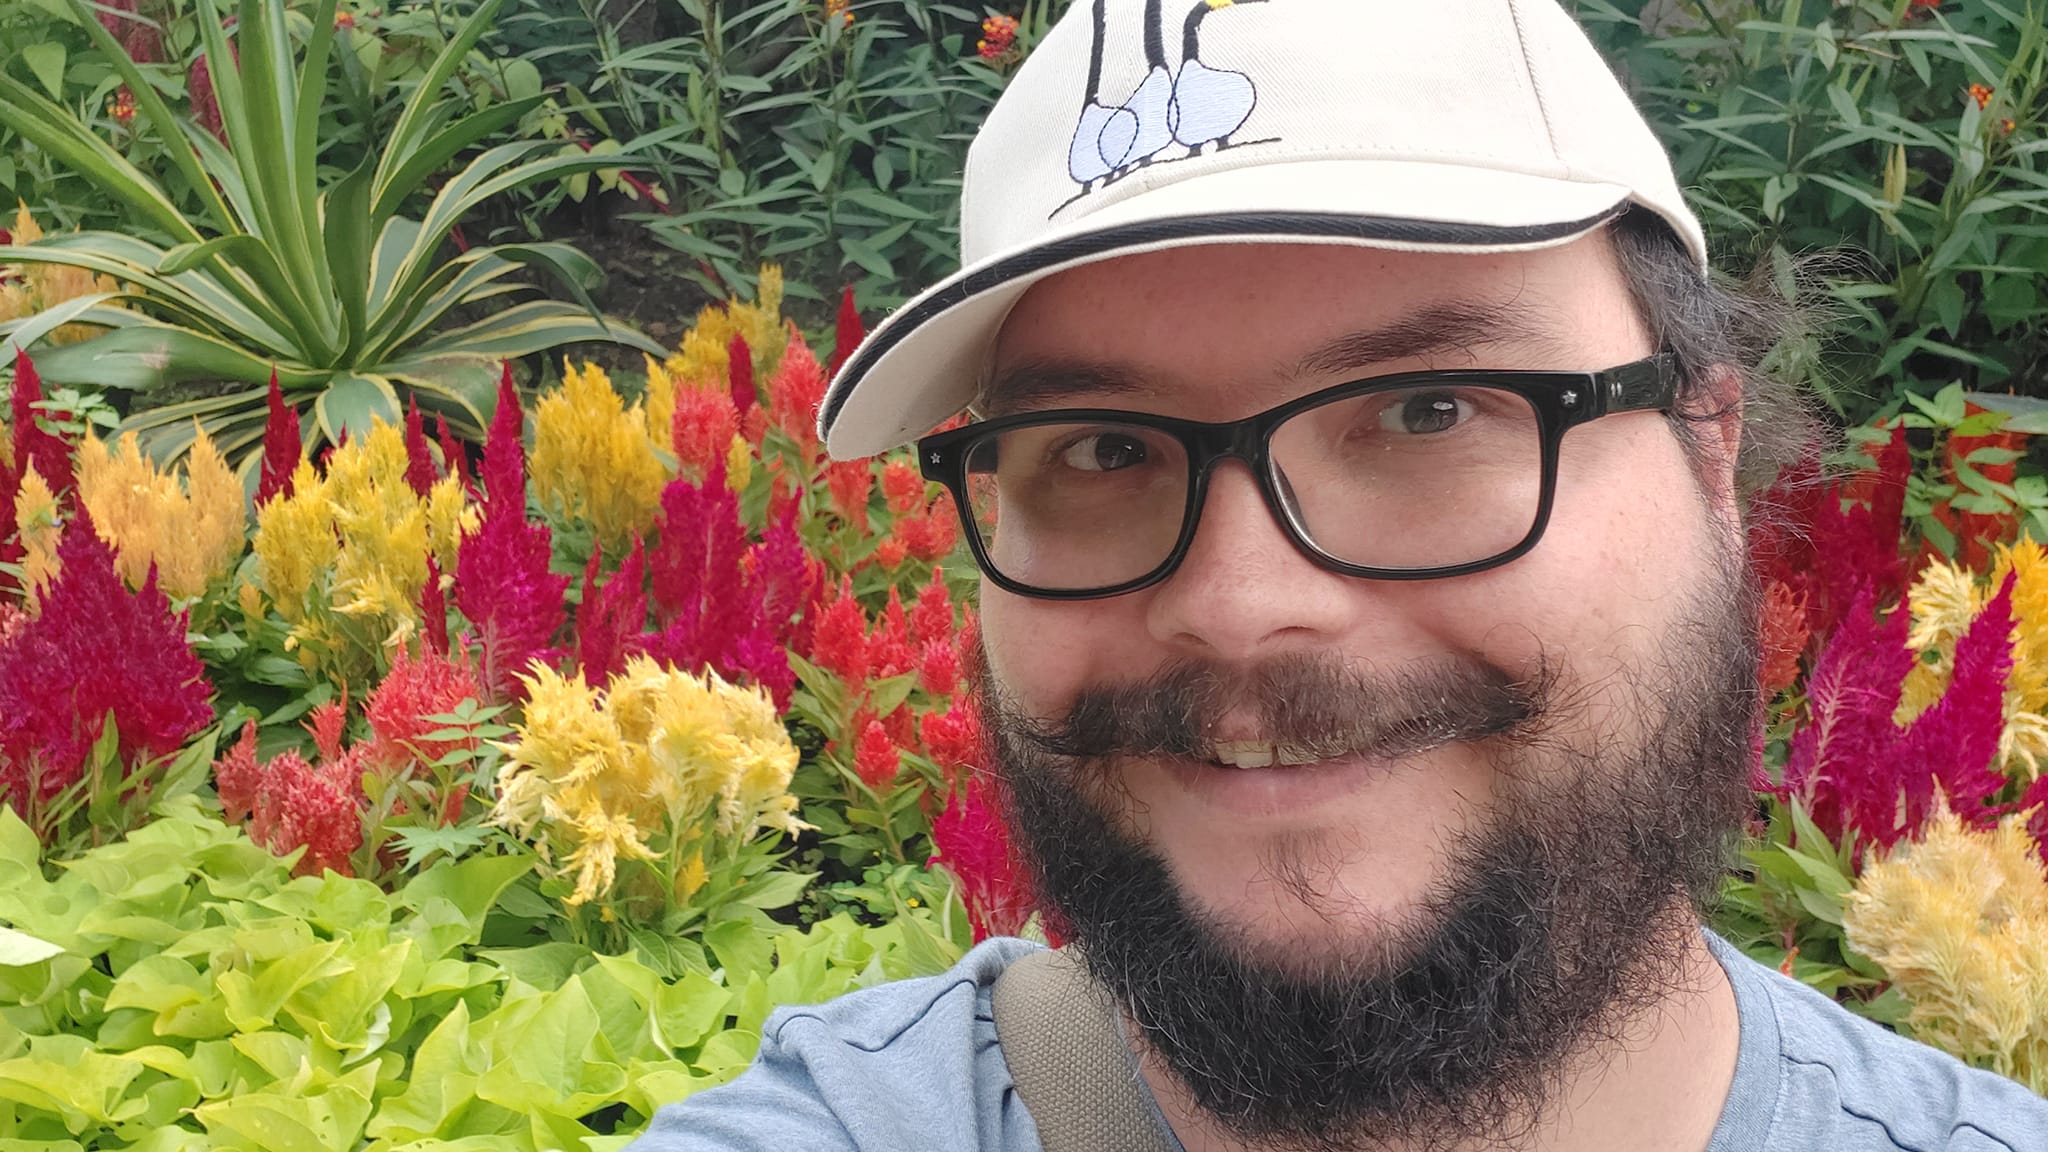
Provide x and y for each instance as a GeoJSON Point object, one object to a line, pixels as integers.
{"type": "Point", "coordinates": [1141, 125]}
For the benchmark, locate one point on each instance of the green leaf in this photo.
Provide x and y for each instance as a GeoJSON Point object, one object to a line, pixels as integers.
{"type": "Point", "coordinates": [776, 889]}
{"type": "Point", "coordinates": [46, 60]}
{"type": "Point", "coordinates": [354, 404]}
{"type": "Point", "coordinates": [19, 949]}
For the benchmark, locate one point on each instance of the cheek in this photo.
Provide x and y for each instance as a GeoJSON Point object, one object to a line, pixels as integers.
{"type": "Point", "coordinates": [1042, 652]}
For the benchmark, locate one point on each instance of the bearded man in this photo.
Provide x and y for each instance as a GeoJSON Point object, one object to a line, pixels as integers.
{"type": "Point", "coordinates": [1359, 480]}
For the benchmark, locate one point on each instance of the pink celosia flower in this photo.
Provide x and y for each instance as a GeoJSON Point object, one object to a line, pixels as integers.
{"type": "Point", "coordinates": [419, 459]}
{"type": "Point", "coordinates": [453, 458]}
{"type": "Point", "coordinates": [502, 578]}
{"type": "Point", "coordinates": [746, 397]}
{"type": "Point", "coordinates": [46, 452]}
{"type": "Point", "coordinates": [611, 617]}
{"type": "Point", "coordinates": [975, 847]}
{"type": "Point", "coordinates": [931, 617]}
{"type": "Point", "coordinates": [848, 332]}
{"type": "Point", "coordinates": [795, 393]}
{"type": "Point", "coordinates": [902, 487]}
{"type": "Point", "coordinates": [282, 447]}
{"type": "Point", "coordinates": [721, 601]}
{"type": "Point", "coordinates": [875, 757]}
{"type": "Point", "coordinates": [95, 649]}
{"type": "Point", "coordinates": [1855, 769]}
{"type": "Point", "coordinates": [839, 643]}
{"type": "Point", "coordinates": [938, 668]}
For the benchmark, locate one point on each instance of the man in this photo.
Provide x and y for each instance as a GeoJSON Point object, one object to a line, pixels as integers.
{"type": "Point", "coordinates": [1359, 487]}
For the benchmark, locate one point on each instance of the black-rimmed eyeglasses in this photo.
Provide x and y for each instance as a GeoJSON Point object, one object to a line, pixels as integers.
{"type": "Point", "coordinates": [1408, 477]}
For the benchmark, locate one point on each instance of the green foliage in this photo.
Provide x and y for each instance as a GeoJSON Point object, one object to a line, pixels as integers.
{"type": "Point", "coordinates": [284, 268]}
{"type": "Point", "coordinates": [178, 990]}
{"type": "Point", "coordinates": [1907, 141]}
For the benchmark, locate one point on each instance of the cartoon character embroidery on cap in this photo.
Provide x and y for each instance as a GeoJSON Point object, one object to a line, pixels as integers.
{"type": "Point", "coordinates": [1196, 106]}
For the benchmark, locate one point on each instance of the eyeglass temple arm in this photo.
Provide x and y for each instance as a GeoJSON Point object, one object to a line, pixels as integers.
{"type": "Point", "coordinates": [1647, 386]}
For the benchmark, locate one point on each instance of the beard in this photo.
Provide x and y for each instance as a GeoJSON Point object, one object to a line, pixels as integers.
{"type": "Point", "coordinates": [1565, 913]}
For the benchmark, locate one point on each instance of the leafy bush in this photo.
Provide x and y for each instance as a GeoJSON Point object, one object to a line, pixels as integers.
{"type": "Point", "coordinates": [319, 282]}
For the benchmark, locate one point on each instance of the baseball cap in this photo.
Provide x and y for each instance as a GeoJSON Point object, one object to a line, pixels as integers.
{"type": "Point", "coordinates": [1142, 125]}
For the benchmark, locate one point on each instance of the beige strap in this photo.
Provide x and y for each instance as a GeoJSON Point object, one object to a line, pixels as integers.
{"type": "Point", "coordinates": [1059, 1036]}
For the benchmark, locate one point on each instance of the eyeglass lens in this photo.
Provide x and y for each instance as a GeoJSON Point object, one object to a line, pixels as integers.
{"type": "Point", "coordinates": [1403, 479]}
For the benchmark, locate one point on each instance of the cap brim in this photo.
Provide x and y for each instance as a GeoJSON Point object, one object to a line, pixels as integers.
{"type": "Point", "coordinates": [922, 365]}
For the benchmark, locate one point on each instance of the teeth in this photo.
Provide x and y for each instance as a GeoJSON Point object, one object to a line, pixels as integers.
{"type": "Point", "coordinates": [1245, 754]}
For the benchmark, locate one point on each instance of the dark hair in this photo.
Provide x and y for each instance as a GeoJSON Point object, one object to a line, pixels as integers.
{"type": "Point", "coordinates": [1716, 324]}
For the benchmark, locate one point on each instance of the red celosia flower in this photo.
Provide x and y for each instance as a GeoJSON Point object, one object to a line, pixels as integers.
{"type": "Point", "coordinates": [931, 617]}
{"type": "Point", "coordinates": [890, 553]}
{"type": "Point", "coordinates": [795, 393]}
{"type": "Point", "coordinates": [296, 807]}
{"type": "Point", "coordinates": [502, 579]}
{"type": "Point", "coordinates": [702, 428]}
{"type": "Point", "coordinates": [419, 459]}
{"type": "Point", "coordinates": [282, 447]}
{"type": "Point", "coordinates": [205, 102]}
{"type": "Point", "coordinates": [454, 461]}
{"type": "Point", "coordinates": [416, 688]}
{"type": "Point", "coordinates": [930, 537]}
{"type": "Point", "coordinates": [850, 482]}
{"type": "Point", "coordinates": [33, 446]}
{"type": "Point", "coordinates": [610, 619]}
{"type": "Point", "coordinates": [876, 759]}
{"type": "Point", "coordinates": [325, 724]}
{"type": "Point", "coordinates": [1855, 769]}
{"type": "Point", "coordinates": [974, 845]}
{"type": "Point", "coordinates": [139, 38]}
{"type": "Point", "coordinates": [1783, 637]}
{"type": "Point", "coordinates": [901, 725]}
{"type": "Point", "coordinates": [889, 651]}
{"type": "Point", "coordinates": [739, 374]}
{"type": "Point", "coordinates": [839, 643]}
{"type": "Point", "coordinates": [94, 649]}
{"type": "Point", "coordinates": [938, 668]}
{"type": "Point", "coordinates": [1829, 542]}
{"type": "Point", "coordinates": [902, 487]}
{"type": "Point", "coordinates": [953, 739]}
{"type": "Point", "coordinates": [236, 777]}
{"type": "Point", "coordinates": [1982, 94]}
{"type": "Point", "coordinates": [788, 577]}
{"type": "Point", "coordinates": [434, 609]}
{"type": "Point", "coordinates": [848, 331]}
{"type": "Point", "coordinates": [721, 601]}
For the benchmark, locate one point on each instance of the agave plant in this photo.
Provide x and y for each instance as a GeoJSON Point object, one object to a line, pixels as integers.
{"type": "Point", "coordinates": [347, 301]}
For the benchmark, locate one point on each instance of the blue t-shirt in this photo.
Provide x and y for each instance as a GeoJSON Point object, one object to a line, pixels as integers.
{"type": "Point", "coordinates": [915, 1066]}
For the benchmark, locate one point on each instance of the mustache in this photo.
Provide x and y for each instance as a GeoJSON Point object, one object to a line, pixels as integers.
{"type": "Point", "coordinates": [1316, 706]}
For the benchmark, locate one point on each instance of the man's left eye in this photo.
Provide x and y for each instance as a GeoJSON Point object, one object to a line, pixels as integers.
{"type": "Point", "coordinates": [1424, 412]}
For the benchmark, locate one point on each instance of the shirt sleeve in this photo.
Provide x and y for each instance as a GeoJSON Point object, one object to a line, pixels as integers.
{"type": "Point", "coordinates": [771, 1107]}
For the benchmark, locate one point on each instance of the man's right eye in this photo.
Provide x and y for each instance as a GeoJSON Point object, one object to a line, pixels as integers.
{"type": "Point", "coordinates": [1103, 452]}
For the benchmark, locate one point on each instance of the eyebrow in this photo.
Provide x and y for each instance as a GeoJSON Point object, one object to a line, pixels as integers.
{"type": "Point", "coordinates": [1460, 326]}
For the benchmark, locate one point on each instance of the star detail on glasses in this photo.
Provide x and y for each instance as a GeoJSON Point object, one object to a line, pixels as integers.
{"type": "Point", "coordinates": [936, 457]}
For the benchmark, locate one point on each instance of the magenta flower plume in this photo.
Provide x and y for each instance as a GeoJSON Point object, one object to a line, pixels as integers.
{"type": "Point", "coordinates": [973, 844]}
{"type": "Point", "coordinates": [282, 447]}
{"type": "Point", "coordinates": [610, 619]}
{"type": "Point", "coordinates": [502, 580]}
{"type": "Point", "coordinates": [419, 459]}
{"type": "Point", "coordinates": [715, 613]}
{"type": "Point", "coordinates": [848, 331]}
{"type": "Point", "coordinates": [453, 459]}
{"type": "Point", "coordinates": [740, 373]}
{"type": "Point", "coordinates": [504, 472]}
{"type": "Point", "coordinates": [94, 649]}
{"type": "Point", "coordinates": [45, 451]}
{"type": "Point", "coordinates": [1856, 770]}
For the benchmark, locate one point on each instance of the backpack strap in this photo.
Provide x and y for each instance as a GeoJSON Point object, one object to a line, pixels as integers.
{"type": "Point", "coordinates": [1059, 1036]}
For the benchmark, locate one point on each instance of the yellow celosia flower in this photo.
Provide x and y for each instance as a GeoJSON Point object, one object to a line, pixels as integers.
{"type": "Point", "coordinates": [295, 541]}
{"type": "Point", "coordinates": [30, 288]}
{"type": "Point", "coordinates": [6, 447]}
{"type": "Point", "coordinates": [192, 534]}
{"type": "Point", "coordinates": [2025, 739]}
{"type": "Point", "coordinates": [703, 359]}
{"type": "Point", "coordinates": [593, 460]}
{"type": "Point", "coordinates": [643, 770]}
{"type": "Point", "coordinates": [35, 518]}
{"type": "Point", "coordinates": [1959, 921]}
{"type": "Point", "coordinates": [659, 402]}
{"type": "Point", "coordinates": [739, 463]}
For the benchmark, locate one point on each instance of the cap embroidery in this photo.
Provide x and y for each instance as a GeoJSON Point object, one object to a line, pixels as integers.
{"type": "Point", "coordinates": [1194, 107]}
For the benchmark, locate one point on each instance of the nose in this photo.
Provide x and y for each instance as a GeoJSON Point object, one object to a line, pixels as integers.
{"type": "Point", "coordinates": [1244, 591]}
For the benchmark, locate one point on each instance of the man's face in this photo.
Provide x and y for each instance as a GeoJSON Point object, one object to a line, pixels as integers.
{"type": "Point", "coordinates": [1592, 698]}
{"type": "Point", "coordinates": [1212, 333]}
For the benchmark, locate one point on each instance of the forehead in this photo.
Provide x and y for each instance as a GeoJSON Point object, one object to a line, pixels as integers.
{"type": "Point", "coordinates": [1165, 327]}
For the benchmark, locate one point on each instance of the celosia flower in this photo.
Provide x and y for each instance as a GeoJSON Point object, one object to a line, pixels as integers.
{"type": "Point", "coordinates": [704, 429]}
{"type": "Point", "coordinates": [1959, 922]}
{"type": "Point", "coordinates": [40, 532]}
{"type": "Point", "coordinates": [740, 375]}
{"type": "Point", "coordinates": [938, 668]}
{"type": "Point", "coordinates": [850, 482]}
{"type": "Point", "coordinates": [205, 103]}
{"type": "Point", "coordinates": [795, 392]}
{"type": "Point", "coordinates": [283, 448]}
{"type": "Point", "coordinates": [1832, 542]}
{"type": "Point", "coordinates": [415, 689]}
{"type": "Point", "coordinates": [714, 594]}
{"type": "Point", "coordinates": [704, 355]}
{"type": "Point", "coordinates": [95, 649]}
{"type": "Point", "coordinates": [847, 331]}
{"type": "Point", "coordinates": [647, 765]}
{"type": "Point", "coordinates": [419, 459]}
{"type": "Point", "coordinates": [191, 535]}
{"type": "Point", "coordinates": [889, 650]}
{"type": "Point", "coordinates": [236, 777]}
{"type": "Point", "coordinates": [902, 487]}
{"type": "Point", "coordinates": [739, 463]}
{"type": "Point", "coordinates": [1783, 639]}
{"type": "Point", "coordinates": [611, 617]}
{"type": "Point", "coordinates": [294, 541]}
{"type": "Point", "coordinates": [290, 805]}
{"type": "Point", "coordinates": [34, 447]}
{"type": "Point", "coordinates": [454, 460]}
{"type": "Point", "coordinates": [953, 739]}
{"type": "Point", "coordinates": [875, 759]}
{"type": "Point", "coordinates": [930, 537]}
{"type": "Point", "coordinates": [973, 844]}
{"type": "Point", "coordinates": [839, 642]}
{"type": "Point", "coordinates": [931, 617]}
{"type": "Point", "coordinates": [139, 37]}
{"type": "Point", "coordinates": [502, 579]}
{"type": "Point", "coordinates": [593, 462]}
